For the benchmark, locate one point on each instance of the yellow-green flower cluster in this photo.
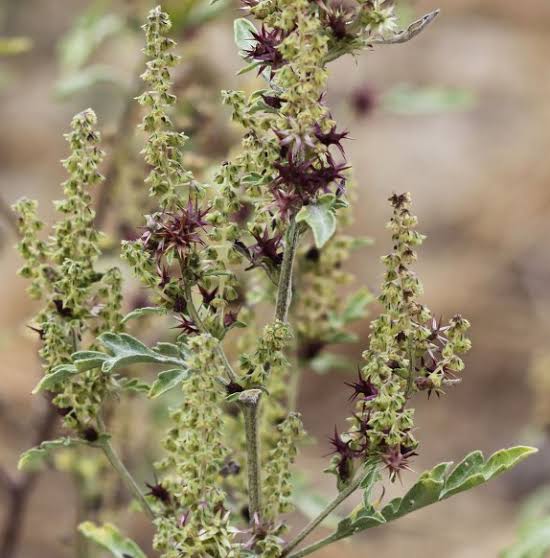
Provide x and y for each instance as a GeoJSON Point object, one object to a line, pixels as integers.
{"type": "Point", "coordinates": [195, 523]}
{"type": "Point", "coordinates": [78, 298]}
{"type": "Point", "coordinates": [278, 481]}
{"type": "Point", "coordinates": [167, 179]}
{"type": "Point", "coordinates": [409, 351]}
{"type": "Point", "coordinates": [268, 354]}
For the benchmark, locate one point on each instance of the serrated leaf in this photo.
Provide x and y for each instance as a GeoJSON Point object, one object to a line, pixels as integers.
{"type": "Point", "coordinates": [123, 351]}
{"type": "Point", "coordinates": [167, 380]}
{"type": "Point", "coordinates": [59, 374]}
{"type": "Point", "coordinates": [433, 486]}
{"type": "Point", "coordinates": [34, 459]}
{"type": "Point", "coordinates": [141, 312]}
{"type": "Point", "coordinates": [88, 360]}
{"type": "Point", "coordinates": [321, 220]}
{"type": "Point", "coordinates": [110, 538]}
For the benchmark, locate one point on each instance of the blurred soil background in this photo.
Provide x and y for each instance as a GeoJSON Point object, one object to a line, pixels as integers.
{"type": "Point", "coordinates": [480, 179]}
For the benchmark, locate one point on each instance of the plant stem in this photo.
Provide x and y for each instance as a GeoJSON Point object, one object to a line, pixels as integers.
{"type": "Point", "coordinates": [284, 291]}
{"type": "Point", "coordinates": [124, 474]}
{"type": "Point", "coordinates": [343, 495]}
{"type": "Point", "coordinates": [196, 318]}
{"type": "Point", "coordinates": [315, 546]}
{"type": "Point", "coordinates": [249, 400]}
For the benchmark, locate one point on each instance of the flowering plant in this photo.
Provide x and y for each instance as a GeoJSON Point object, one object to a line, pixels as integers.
{"type": "Point", "coordinates": [262, 231]}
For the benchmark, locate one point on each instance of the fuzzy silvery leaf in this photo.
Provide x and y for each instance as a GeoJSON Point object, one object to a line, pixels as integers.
{"type": "Point", "coordinates": [34, 459]}
{"type": "Point", "coordinates": [140, 312]}
{"type": "Point", "coordinates": [242, 31]}
{"type": "Point", "coordinates": [248, 68]}
{"type": "Point", "coordinates": [167, 380]}
{"type": "Point", "coordinates": [435, 485]}
{"type": "Point", "coordinates": [321, 220]}
{"type": "Point", "coordinates": [123, 350]}
{"type": "Point", "coordinates": [110, 538]}
{"type": "Point", "coordinates": [52, 379]}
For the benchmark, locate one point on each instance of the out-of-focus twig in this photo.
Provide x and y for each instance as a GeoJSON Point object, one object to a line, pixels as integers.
{"type": "Point", "coordinates": [8, 216]}
{"type": "Point", "coordinates": [19, 487]}
{"type": "Point", "coordinates": [121, 142]}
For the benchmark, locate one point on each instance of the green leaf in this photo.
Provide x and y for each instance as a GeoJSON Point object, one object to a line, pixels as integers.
{"type": "Point", "coordinates": [133, 385]}
{"type": "Point", "coordinates": [58, 375]}
{"type": "Point", "coordinates": [110, 538]}
{"type": "Point", "coordinates": [533, 541]}
{"type": "Point", "coordinates": [311, 504]}
{"type": "Point", "coordinates": [327, 362]}
{"type": "Point", "coordinates": [433, 486]}
{"type": "Point", "coordinates": [202, 13]}
{"type": "Point", "coordinates": [141, 312]}
{"type": "Point", "coordinates": [125, 350]}
{"type": "Point", "coordinates": [248, 68]}
{"type": "Point", "coordinates": [88, 33]}
{"type": "Point", "coordinates": [242, 31]}
{"type": "Point", "coordinates": [88, 360]}
{"type": "Point", "coordinates": [321, 220]}
{"type": "Point", "coordinates": [82, 80]}
{"type": "Point", "coordinates": [168, 380]}
{"type": "Point", "coordinates": [407, 99]}
{"type": "Point", "coordinates": [337, 337]}
{"type": "Point", "coordinates": [356, 306]}
{"type": "Point", "coordinates": [34, 459]}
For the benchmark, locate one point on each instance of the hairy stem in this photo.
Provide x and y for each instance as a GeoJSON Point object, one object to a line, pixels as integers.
{"type": "Point", "coordinates": [196, 318]}
{"type": "Point", "coordinates": [284, 291]}
{"type": "Point", "coordinates": [312, 525]}
{"type": "Point", "coordinates": [249, 400]}
{"type": "Point", "coordinates": [124, 474]}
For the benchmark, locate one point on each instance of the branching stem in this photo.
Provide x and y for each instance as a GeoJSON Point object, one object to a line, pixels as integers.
{"type": "Point", "coordinates": [312, 525]}
{"type": "Point", "coordinates": [193, 312]}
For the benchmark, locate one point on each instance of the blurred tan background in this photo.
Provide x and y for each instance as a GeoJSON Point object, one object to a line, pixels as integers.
{"type": "Point", "coordinates": [480, 178]}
